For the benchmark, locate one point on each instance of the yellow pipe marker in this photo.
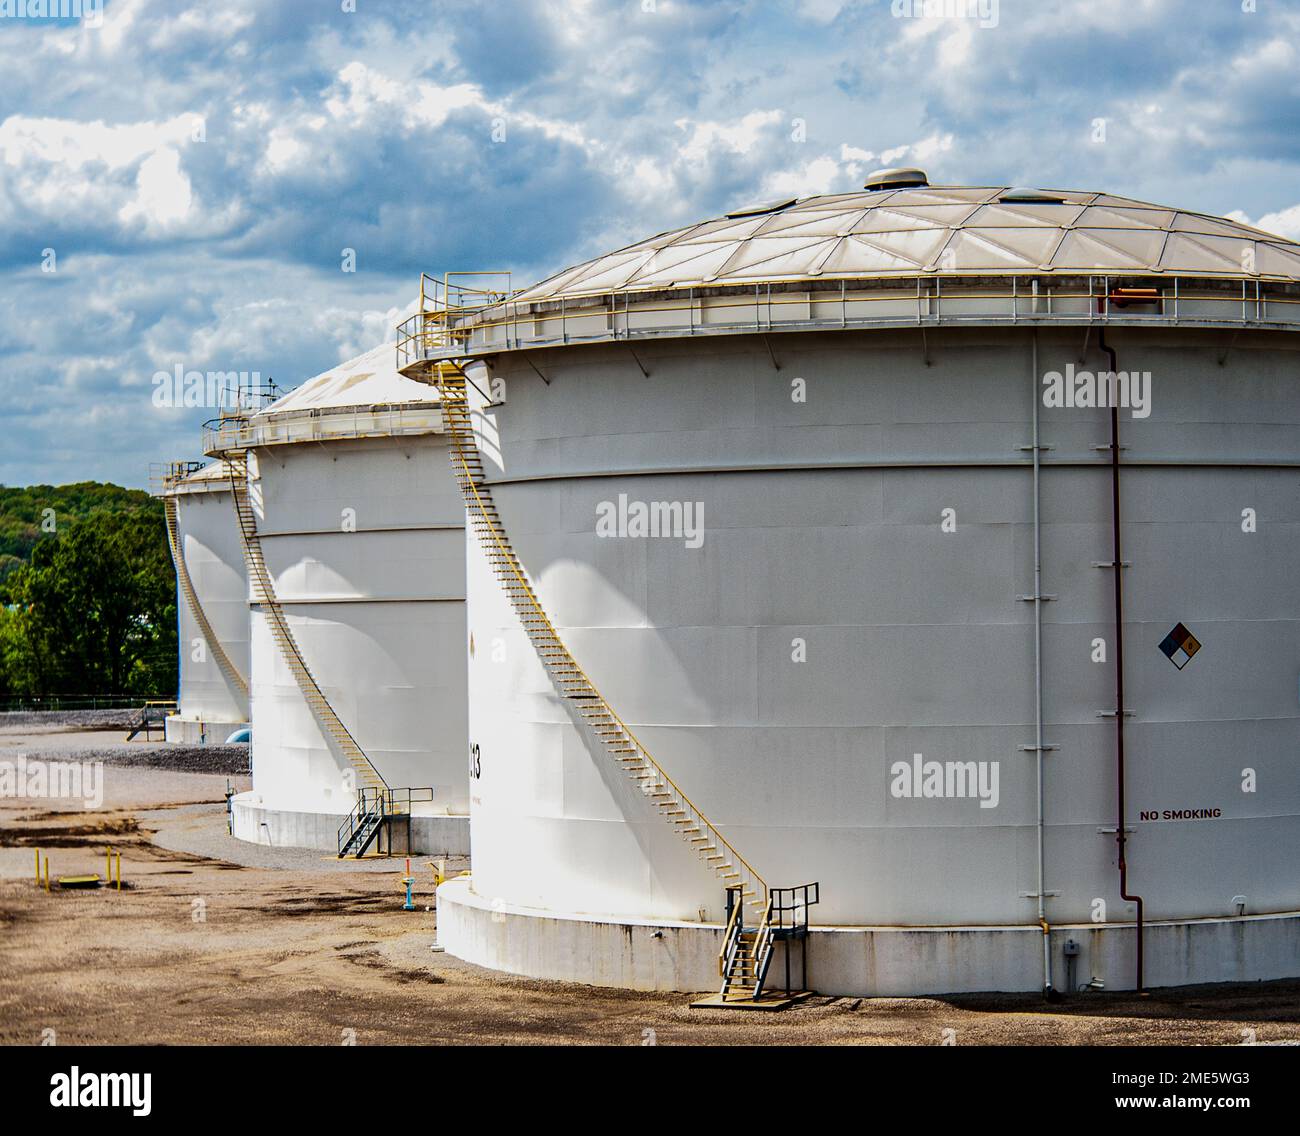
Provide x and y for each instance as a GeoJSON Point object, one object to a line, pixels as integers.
{"type": "Point", "coordinates": [47, 873]}
{"type": "Point", "coordinates": [119, 871]}
{"type": "Point", "coordinates": [108, 866]}
{"type": "Point", "coordinates": [38, 866]}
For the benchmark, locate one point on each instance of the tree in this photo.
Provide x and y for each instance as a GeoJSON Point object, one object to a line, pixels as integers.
{"type": "Point", "coordinates": [94, 611]}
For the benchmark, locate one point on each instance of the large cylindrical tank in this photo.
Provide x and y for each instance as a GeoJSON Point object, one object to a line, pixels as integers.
{"type": "Point", "coordinates": [361, 529]}
{"type": "Point", "coordinates": [211, 701]}
{"type": "Point", "coordinates": [773, 480]}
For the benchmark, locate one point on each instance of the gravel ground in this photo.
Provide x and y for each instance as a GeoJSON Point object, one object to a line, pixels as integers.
{"type": "Point", "coordinates": [215, 941]}
{"type": "Point", "coordinates": [121, 719]}
{"type": "Point", "coordinates": [64, 742]}
{"type": "Point", "coordinates": [200, 830]}
{"type": "Point", "coordinates": [231, 760]}
{"type": "Point", "coordinates": [197, 950]}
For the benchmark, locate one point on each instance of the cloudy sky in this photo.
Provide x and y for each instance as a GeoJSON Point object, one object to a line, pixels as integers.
{"type": "Point", "coordinates": [179, 184]}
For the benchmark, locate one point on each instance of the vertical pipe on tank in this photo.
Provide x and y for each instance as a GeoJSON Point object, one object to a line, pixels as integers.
{"type": "Point", "coordinates": [1120, 836]}
{"type": "Point", "coordinates": [1038, 674]}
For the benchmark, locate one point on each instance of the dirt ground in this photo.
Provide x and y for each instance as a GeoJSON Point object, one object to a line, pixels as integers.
{"type": "Point", "coordinates": [239, 945]}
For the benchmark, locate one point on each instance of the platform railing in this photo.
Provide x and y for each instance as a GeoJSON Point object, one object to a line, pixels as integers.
{"type": "Point", "coordinates": [233, 434]}
{"type": "Point", "coordinates": [514, 321]}
{"type": "Point", "coordinates": [446, 313]}
{"type": "Point", "coordinates": [165, 476]}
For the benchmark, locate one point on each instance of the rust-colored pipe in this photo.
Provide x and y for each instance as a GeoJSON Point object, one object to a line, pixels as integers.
{"type": "Point", "coordinates": [1120, 837]}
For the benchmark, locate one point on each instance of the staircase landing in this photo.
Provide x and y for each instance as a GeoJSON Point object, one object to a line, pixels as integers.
{"type": "Point", "coordinates": [768, 1000]}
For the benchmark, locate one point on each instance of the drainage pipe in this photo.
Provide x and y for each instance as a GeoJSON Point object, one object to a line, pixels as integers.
{"type": "Point", "coordinates": [1038, 680]}
{"type": "Point", "coordinates": [1121, 837]}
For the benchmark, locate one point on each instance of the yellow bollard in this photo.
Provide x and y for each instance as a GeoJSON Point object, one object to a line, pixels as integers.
{"type": "Point", "coordinates": [108, 866]}
{"type": "Point", "coordinates": [38, 867]}
{"type": "Point", "coordinates": [47, 873]}
{"type": "Point", "coordinates": [119, 871]}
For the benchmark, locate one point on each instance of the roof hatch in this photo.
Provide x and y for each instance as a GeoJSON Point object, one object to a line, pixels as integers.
{"type": "Point", "coordinates": [1022, 195]}
{"type": "Point", "coordinates": [762, 207]}
{"type": "Point", "coordinates": [901, 177]}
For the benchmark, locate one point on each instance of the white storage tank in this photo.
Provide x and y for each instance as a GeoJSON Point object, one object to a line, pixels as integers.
{"type": "Point", "coordinates": [211, 604]}
{"type": "Point", "coordinates": [819, 500]}
{"type": "Point", "coordinates": [357, 521]}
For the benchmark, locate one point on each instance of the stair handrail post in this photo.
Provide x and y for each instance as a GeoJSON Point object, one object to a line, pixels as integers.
{"type": "Point", "coordinates": [731, 937]}
{"type": "Point", "coordinates": [763, 948]}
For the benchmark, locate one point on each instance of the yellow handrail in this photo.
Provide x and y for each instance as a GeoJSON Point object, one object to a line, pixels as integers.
{"type": "Point", "coordinates": [753, 301]}
{"type": "Point", "coordinates": [726, 939]}
{"type": "Point", "coordinates": [763, 940]}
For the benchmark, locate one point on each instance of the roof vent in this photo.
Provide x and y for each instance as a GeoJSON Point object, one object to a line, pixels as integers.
{"type": "Point", "coordinates": [902, 177]}
{"type": "Point", "coordinates": [1021, 195]}
{"type": "Point", "coordinates": [763, 207]}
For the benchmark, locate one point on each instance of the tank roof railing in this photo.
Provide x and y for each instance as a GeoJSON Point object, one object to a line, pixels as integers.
{"type": "Point", "coordinates": [165, 476]}
{"type": "Point", "coordinates": [823, 304]}
{"type": "Point", "coordinates": [445, 307]}
{"type": "Point", "coordinates": [320, 424]}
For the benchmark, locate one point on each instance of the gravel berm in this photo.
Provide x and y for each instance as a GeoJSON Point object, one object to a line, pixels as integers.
{"type": "Point", "coordinates": [123, 718]}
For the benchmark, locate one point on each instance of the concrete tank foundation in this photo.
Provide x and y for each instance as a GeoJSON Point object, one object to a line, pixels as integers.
{"type": "Point", "coordinates": [640, 954]}
{"type": "Point", "coordinates": [258, 823]}
{"type": "Point", "coordinates": [196, 731]}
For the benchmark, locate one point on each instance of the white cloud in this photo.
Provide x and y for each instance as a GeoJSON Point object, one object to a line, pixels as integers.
{"type": "Point", "coordinates": [73, 144]}
{"type": "Point", "coordinates": [67, 174]}
{"type": "Point", "coordinates": [820, 175]}
{"type": "Point", "coordinates": [1284, 222]}
{"type": "Point", "coordinates": [372, 131]}
{"type": "Point", "coordinates": [203, 24]}
{"type": "Point", "coordinates": [371, 96]}
{"type": "Point", "coordinates": [737, 136]}
{"type": "Point", "coordinates": [824, 174]}
{"type": "Point", "coordinates": [119, 20]}
{"type": "Point", "coordinates": [821, 11]}
{"type": "Point", "coordinates": [163, 194]}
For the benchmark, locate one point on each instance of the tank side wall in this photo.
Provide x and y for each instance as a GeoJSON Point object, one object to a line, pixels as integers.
{"type": "Point", "coordinates": [832, 624]}
{"type": "Point", "coordinates": [365, 544]}
{"type": "Point", "coordinates": [209, 534]}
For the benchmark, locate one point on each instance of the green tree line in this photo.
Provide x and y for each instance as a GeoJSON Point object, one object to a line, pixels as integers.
{"type": "Point", "coordinates": [87, 593]}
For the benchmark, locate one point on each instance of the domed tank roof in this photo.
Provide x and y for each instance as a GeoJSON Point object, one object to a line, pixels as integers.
{"type": "Point", "coordinates": [364, 397]}
{"type": "Point", "coordinates": [213, 472]}
{"type": "Point", "coordinates": [906, 232]}
{"type": "Point", "coordinates": [175, 478]}
{"type": "Point", "coordinates": [369, 380]}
